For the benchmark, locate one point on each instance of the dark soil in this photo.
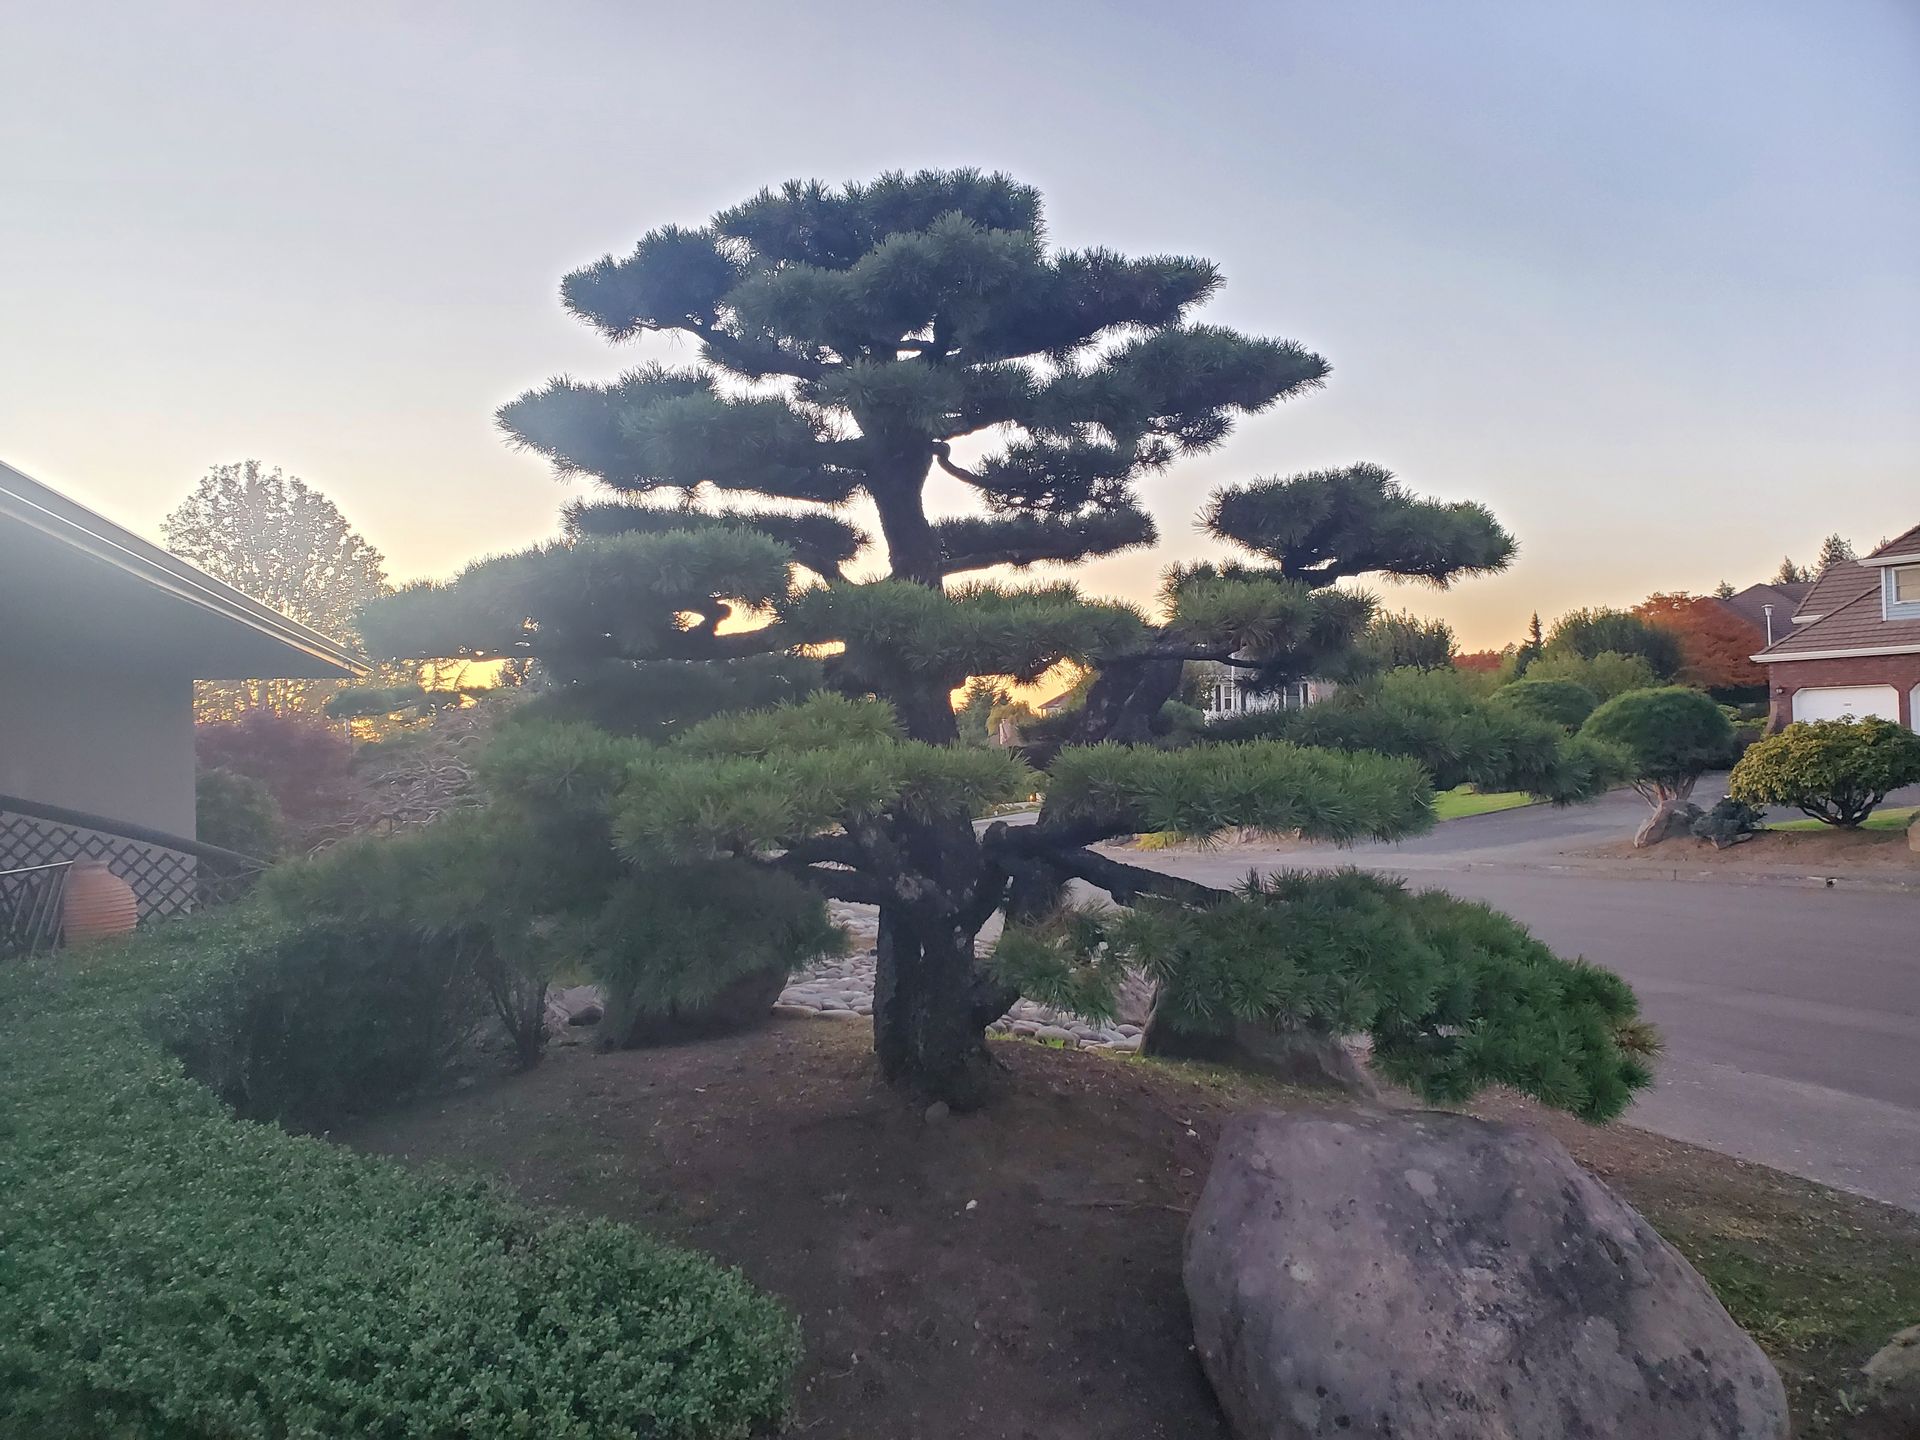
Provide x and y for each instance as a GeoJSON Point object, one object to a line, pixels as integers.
{"type": "Point", "coordinates": [1879, 854]}
{"type": "Point", "coordinates": [1053, 1306]}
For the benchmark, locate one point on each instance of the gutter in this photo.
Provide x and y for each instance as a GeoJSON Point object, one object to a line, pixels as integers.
{"type": "Point", "coordinates": [1768, 658]}
{"type": "Point", "coordinates": [126, 552]}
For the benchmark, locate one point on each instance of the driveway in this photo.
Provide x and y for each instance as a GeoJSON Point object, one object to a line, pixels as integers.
{"type": "Point", "coordinates": [1791, 1016]}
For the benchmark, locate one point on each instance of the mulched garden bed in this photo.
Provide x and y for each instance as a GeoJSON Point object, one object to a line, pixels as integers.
{"type": "Point", "coordinates": [1016, 1273]}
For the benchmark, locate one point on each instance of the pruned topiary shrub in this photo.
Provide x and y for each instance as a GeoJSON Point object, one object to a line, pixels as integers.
{"type": "Point", "coordinates": [1565, 703]}
{"type": "Point", "coordinates": [309, 1021]}
{"type": "Point", "coordinates": [167, 1270]}
{"type": "Point", "coordinates": [1455, 995]}
{"type": "Point", "coordinates": [1672, 736]}
{"type": "Point", "coordinates": [1837, 771]}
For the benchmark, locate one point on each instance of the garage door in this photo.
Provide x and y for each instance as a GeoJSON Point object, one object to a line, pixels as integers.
{"type": "Point", "coordinates": [1833, 701]}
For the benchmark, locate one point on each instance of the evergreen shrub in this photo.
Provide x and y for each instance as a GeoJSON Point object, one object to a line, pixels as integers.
{"type": "Point", "coordinates": [168, 1270]}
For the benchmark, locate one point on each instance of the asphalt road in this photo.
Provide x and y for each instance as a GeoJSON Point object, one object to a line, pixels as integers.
{"type": "Point", "coordinates": [1791, 1015]}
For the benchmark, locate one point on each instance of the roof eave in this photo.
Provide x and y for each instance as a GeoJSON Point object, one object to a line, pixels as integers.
{"type": "Point", "coordinates": [1767, 657]}
{"type": "Point", "coordinates": [79, 528]}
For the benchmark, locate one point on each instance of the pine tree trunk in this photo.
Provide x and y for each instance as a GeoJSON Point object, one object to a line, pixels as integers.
{"type": "Point", "coordinates": [925, 1027]}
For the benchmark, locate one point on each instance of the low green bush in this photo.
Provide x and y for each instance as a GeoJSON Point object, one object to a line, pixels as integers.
{"type": "Point", "coordinates": [312, 1020]}
{"type": "Point", "coordinates": [1455, 995]}
{"type": "Point", "coordinates": [1565, 703]}
{"type": "Point", "coordinates": [1458, 735]}
{"type": "Point", "coordinates": [167, 1270]}
{"type": "Point", "coordinates": [237, 812]}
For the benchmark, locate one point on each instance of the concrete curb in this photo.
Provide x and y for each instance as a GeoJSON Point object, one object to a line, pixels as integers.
{"type": "Point", "coordinates": [1786, 878]}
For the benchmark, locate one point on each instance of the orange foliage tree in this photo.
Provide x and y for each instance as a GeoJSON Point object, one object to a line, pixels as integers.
{"type": "Point", "coordinates": [1715, 640]}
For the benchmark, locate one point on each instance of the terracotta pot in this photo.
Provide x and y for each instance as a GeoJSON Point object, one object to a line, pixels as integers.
{"type": "Point", "coordinates": [97, 904]}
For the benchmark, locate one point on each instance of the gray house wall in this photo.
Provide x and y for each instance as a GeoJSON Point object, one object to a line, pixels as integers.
{"type": "Point", "coordinates": [98, 738]}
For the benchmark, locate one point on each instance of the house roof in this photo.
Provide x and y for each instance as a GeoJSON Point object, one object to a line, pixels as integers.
{"type": "Point", "coordinates": [1855, 628]}
{"type": "Point", "coordinates": [1897, 551]}
{"type": "Point", "coordinates": [1839, 583]}
{"type": "Point", "coordinates": [76, 585]}
{"type": "Point", "coordinates": [1750, 604]}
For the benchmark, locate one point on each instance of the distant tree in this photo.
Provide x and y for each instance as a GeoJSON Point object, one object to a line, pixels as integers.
{"type": "Point", "coordinates": [1607, 674]}
{"type": "Point", "coordinates": [1483, 662]}
{"type": "Point", "coordinates": [1837, 771]}
{"type": "Point", "coordinates": [1404, 641]}
{"type": "Point", "coordinates": [1833, 550]}
{"type": "Point", "coordinates": [1792, 574]}
{"type": "Point", "coordinates": [274, 537]}
{"type": "Point", "coordinates": [305, 764]}
{"type": "Point", "coordinates": [1724, 590]}
{"type": "Point", "coordinates": [237, 812]}
{"type": "Point", "coordinates": [1672, 736]}
{"type": "Point", "coordinates": [1530, 649]}
{"type": "Point", "coordinates": [974, 714]}
{"type": "Point", "coordinates": [1588, 633]}
{"type": "Point", "coordinates": [1714, 641]}
{"type": "Point", "coordinates": [1565, 703]}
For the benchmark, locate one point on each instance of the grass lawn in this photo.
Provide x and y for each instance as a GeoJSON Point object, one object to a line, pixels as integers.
{"type": "Point", "coordinates": [1897, 818]}
{"type": "Point", "coordinates": [1459, 803]}
{"type": "Point", "coordinates": [1017, 1272]}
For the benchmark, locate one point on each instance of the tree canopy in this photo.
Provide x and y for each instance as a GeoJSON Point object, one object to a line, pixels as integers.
{"type": "Point", "coordinates": [274, 537]}
{"type": "Point", "coordinates": [1672, 735]}
{"type": "Point", "coordinates": [856, 341]}
{"type": "Point", "coordinates": [1716, 644]}
{"type": "Point", "coordinates": [1589, 633]}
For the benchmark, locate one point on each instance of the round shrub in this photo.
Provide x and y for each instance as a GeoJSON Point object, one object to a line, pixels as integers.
{"type": "Point", "coordinates": [1565, 703]}
{"type": "Point", "coordinates": [1837, 771]}
{"type": "Point", "coordinates": [1672, 735]}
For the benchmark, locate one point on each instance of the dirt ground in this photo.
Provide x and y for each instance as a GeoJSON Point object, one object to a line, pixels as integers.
{"type": "Point", "coordinates": [1878, 853]}
{"type": "Point", "coordinates": [1016, 1273]}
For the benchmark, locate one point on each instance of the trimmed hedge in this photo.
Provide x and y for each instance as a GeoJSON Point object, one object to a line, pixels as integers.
{"type": "Point", "coordinates": [168, 1270]}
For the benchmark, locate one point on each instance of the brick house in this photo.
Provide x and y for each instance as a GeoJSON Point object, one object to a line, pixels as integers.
{"type": "Point", "coordinates": [1854, 648]}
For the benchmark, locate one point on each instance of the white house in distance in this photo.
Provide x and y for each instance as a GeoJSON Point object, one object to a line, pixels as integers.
{"type": "Point", "coordinates": [102, 635]}
{"type": "Point", "coordinates": [1224, 692]}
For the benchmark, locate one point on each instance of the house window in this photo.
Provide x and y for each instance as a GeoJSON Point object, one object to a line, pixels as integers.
{"type": "Point", "coordinates": [1906, 585]}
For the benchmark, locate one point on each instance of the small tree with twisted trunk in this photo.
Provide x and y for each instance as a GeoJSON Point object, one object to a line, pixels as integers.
{"type": "Point", "coordinates": [1671, 736]}
{"type": "Point", "coordinates": [856, 342]}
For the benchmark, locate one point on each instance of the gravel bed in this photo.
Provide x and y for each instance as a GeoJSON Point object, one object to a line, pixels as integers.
{"type": "Point", "coordinates": [842, 988]}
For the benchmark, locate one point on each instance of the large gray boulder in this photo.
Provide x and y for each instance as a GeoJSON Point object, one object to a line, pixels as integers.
{"type": "Point", "coordinates": [1435, 1277]}
{"type": "Point", "coordinates": [1893, 1388]}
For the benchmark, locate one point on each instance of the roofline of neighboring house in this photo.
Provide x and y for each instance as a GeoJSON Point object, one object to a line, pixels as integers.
{"type": "Point", "coordinates": [71, 524]}
{"type": "Point", "coordinates": [1906, 559]}
{"type": "Point", "coordinates": [1767, 657]}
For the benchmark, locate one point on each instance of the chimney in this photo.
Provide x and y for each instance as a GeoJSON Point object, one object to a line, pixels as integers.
{"type": "Point", "coordinates": [1769, 613]}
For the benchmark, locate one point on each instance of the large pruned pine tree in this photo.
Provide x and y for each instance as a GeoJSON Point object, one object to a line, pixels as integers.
{"type": "Point", "coordinates": [793, 722]}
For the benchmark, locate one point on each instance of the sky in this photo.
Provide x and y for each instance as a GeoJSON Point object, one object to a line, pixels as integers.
{"type": "Point", "coordinates": [1641, 275]}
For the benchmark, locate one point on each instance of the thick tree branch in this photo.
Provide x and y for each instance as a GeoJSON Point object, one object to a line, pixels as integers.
{"type": "Point", "coordinates": [1127, 883]}
{"type": "Point", "coordinates": [943, 455]}
{"type": "Point", "coordinates": [835, 884]}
